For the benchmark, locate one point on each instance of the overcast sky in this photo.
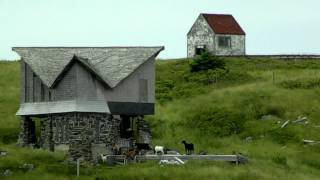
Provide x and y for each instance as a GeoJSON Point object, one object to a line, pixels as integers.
{"type": "Point", "coordinates": [272, 26]}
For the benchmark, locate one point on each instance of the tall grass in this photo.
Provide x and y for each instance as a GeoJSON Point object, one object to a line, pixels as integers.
{"type": "Point", "coordinates": [253, 100]}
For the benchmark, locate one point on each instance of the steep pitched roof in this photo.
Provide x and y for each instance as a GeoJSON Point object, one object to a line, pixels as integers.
{"type": "Point", "coordinates": [112, 64]}
{"type": "Point", "coordinates": [223, 24]}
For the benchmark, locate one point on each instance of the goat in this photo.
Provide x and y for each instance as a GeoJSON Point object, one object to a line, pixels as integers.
{"type": "Point", "coordinates": [131, 154]}
{"type": "Point", "coordinates": [103, 158]}
{"type": "Point", "coordinates": [188, 147]}
{"type": "Point", "coordinates": [159, 149]}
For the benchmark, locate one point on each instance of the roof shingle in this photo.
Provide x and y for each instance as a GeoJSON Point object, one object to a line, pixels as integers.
{"type": "Point", "coordinates": [223, 24]}
{"type": "Point", "coordinates": [113, 64]}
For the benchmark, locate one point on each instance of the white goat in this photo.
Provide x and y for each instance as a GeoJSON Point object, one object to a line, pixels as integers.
{"type": "Point", "coordinates": [159, 149]}
{"type": "Point", "coordinates": [103, 158]}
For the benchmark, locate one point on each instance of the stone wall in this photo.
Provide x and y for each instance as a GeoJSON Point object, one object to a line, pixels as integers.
{"type": "Point", "coordinates": [78, 131]}
{"type": "Point", "coordinates": [27, 135]}
{"type": "Point", "coordinates": [84, 135]}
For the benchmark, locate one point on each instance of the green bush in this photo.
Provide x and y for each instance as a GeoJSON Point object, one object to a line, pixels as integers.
{"type": "Point", "coordinates": [207, 61]}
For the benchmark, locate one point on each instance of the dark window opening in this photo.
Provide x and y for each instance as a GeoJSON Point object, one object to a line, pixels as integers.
{"type": "Point", "coordinates": [126, 128]}
{"type": "Point", "coordinates": [200, 49]}
{"type": "Point", "coordinates": [143, 90]}
{"type": "Point", "coordinates": [224, 41]}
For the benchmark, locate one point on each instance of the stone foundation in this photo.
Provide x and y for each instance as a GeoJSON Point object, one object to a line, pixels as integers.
{"type": "Point", "coordinates": [84, 135]}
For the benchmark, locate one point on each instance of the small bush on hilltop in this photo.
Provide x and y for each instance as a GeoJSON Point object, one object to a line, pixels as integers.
{"type": "Point", "coordinates": [207, 61]}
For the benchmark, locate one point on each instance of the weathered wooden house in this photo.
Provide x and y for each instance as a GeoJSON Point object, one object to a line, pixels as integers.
{"type": "Point", "coordinates": [87, 99]}
{"type": "Point", "coordinates": [218, 33]}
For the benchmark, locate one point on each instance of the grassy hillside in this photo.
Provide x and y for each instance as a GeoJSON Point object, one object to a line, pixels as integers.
{"type": "Point", "coordinates": [240, 111]}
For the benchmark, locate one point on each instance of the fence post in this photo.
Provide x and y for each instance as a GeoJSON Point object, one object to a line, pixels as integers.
{"type": "Point", "coordinates": [78, 167]}
{"type": "Point", "coordinates": [273, 78]}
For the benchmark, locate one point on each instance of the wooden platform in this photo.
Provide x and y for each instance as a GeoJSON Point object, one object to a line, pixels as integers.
{"type": "Point", "coordinates": [237, 159]}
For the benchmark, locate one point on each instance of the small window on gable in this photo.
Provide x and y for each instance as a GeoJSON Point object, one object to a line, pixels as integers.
{"type": "Point", "coordinates": [143, 90]}
{"type": "Point", "coordinates": [200, 49]}
{"type": "Point", "coordinates": [224, 41]}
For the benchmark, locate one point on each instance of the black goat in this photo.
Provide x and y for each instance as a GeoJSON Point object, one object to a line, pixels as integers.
{"type": "Point", "coordinates": [188, 147]}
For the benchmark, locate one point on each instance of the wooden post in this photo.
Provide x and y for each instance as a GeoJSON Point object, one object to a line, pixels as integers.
{"type": "Point", "coordinates": [273, 78]}
{"type": "Point", "coordinates": [78, 167]}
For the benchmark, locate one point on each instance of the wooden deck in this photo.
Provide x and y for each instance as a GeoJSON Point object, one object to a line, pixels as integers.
{"type": "Point", "coordinates": [237, 159]}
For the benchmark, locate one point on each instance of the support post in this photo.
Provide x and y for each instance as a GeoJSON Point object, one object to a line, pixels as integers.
{"type": "Point", "coordinates": [27, 134]}
{"type": "Point", "coordinates": [78, 167]}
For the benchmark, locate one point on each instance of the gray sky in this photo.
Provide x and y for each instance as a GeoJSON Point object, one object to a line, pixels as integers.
{"type": "Point", "coordinates": [272, 26]}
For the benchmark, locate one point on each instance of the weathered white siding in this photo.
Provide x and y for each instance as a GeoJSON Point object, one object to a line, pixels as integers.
{"type": "Point", "coordinates": [200, 34]}
{"type": "Point", "coordinates": [237, 45]}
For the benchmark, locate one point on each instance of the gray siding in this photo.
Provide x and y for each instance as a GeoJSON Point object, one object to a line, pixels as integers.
{"type": "Point", "coordinates": [66, 88]}
{"type": "Point", "coordinates": [23, 83]}
{"type": "Point", "coordinates": [128, 89]}
{"type": "Point", "coordinates": [90, 89]}
{"type": "Point", "coordinates": [32, 88]}
{"type": "Point", "coordinates": [86, 85]}
{"type": "Point", "coordinates": [80, 91]}
{"type": "Point", "coordinates": [29, 84]}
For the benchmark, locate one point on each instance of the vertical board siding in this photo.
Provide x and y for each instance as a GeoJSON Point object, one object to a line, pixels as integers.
{"type": "Point", "coordinates": [66, 88]}
{"type": "Point", "coordinates": [23, 83]}
{"type": "Point", "coordinates": [29, 84]}
{"type": "Point", "coordinates": [143, 90]}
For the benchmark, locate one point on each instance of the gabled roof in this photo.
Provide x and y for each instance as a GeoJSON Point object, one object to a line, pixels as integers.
{"type": "Point", "coordinates": [111, 64]}
{"type": "Point", "coordinates": [223, 24]}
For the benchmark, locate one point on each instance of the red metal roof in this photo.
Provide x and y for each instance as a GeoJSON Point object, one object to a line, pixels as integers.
{"type": "Point", "coordinates": [223, 24]}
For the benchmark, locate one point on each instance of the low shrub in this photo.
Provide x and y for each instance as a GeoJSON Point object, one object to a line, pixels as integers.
{"type": "Point", "coordinates": [207, 61]}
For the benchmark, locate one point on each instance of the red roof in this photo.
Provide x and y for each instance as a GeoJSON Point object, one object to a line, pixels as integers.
{"type": "Point", "coordinates": [223, 24]}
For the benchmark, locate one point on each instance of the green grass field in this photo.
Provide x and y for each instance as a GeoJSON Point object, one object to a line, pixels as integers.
{"type": "Point", "coordinates": [253, 99]}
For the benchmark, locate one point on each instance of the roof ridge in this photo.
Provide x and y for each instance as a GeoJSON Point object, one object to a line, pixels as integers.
{"type": "Point", "coordinates": [109, 47]}
{"type": "Point", "coordinates": [214, 14]}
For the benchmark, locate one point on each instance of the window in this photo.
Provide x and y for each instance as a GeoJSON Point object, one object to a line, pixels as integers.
{"type": "Point", "coordinates": [224, 41]}
{"type": "Point", "coordinates": [143, 90]}
{"type": "Point", "coordinates": [200, 49]}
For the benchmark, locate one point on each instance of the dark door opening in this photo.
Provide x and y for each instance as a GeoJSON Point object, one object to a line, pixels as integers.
{"type": "Point", "coordinates": [200, 49]}
{"type": "Point", "coordinates": [126, 128]}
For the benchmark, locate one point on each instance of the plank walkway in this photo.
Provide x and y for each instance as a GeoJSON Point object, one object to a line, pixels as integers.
{"type": "Point", "coordinates": [238, 159]}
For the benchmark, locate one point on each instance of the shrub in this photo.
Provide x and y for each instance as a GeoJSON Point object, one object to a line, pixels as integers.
{"type": "Point", "coordinates": [207, 61]}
